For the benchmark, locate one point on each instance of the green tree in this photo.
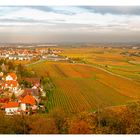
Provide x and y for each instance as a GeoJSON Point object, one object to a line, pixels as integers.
{"type": "Point", "coordinates": [11, 65]}
{"type": "Point", "coordinates": [13, 97]}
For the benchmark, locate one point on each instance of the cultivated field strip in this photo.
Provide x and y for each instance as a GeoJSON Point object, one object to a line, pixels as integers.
{"type": "Point", "coordinates": [84, 88]}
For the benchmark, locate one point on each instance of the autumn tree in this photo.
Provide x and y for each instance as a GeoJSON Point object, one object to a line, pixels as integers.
{"type": "Point", "coordinates": [133, 118]}
{"type": "Point", "coordinates": [21, 124]}
{"type": "Point", "coordinates": [6, 124]}
{"type": "Point", "coordinates": [11, 65]}
{"type": "Point", "coordinates": [43, 126]}
{"type": "Point", "coordinates": [60, 119]}
{"type": "Point", "coordinates": [79, 127]}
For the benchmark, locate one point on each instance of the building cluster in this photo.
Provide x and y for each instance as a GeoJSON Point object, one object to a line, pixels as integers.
{"type": "Point", "coordinates": [9, 82]}
{"type": "Point", "coordinates": [26, 54]}
{"type": "Point", "coordinates": [18, 54]}
{"type": "Point", "coordinates": [126, 53]}
{"type": "Point", "coordinates": [25, 100]}
{"type": "Point", "coordinates": [24, 105]}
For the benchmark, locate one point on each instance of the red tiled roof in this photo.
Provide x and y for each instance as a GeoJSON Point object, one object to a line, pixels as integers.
{"type": "Point", "coordinates": [13, 75]}
{"type": "Point", "coordinates": [4, 100]}
{"type": "Point", "coordinates": [10, 105]}
{"type": "Point", "coordinates": [20, 98]}
{"type": "Point", "coordinates": [29, 99]}
{"type": "Point", "coordinates": [10, 83]}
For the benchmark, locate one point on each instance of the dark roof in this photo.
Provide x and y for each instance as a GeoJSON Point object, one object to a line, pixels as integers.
{"type": "Point", "coordinates": [33, 80]}
{"type": "Point", "coordinates": [33, 92]}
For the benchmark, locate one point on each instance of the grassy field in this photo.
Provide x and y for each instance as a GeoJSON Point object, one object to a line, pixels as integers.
{"type": "Point", "coordinates": [83, 87]}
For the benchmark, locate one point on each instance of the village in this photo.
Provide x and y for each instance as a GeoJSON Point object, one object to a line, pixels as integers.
{"type": "Point", "coordinates": [20, 91]}
{"type": "Point", "coordinates": [30, 54]}
{"type": "Point", "coordinates": [14, 99]}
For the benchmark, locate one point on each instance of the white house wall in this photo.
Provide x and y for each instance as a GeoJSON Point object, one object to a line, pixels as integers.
{"type": "Point", "coordinates": [11, 111]}
{"type": "Point", "coordinates": [23, 106]}
{"type": "Point", "coordinates": [8, 78]}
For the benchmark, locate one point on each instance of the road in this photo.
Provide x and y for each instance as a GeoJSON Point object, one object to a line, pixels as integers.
{"type": "Point", "coordinates": [39, 61]}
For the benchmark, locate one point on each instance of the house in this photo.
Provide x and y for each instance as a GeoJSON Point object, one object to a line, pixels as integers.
{"type": "Point", "coordinates": [24, 105]}
{"type": "Point", "coordinates": [11, 85]}
{"type": "Point", "coordinates": [36, 82]}
{"type": "Point", "coordinates": [34, 92]}
{"type": "Point", "coordinates": [11, 76]}
{"type": "Point", "coordinates": [11, 108]}
{"type": "Point", "coordinates": [10, 82]}
{"type": "Point", "coordinates": [28, 103]}
{"type": "Point", "coordinates": [12, 57]}
{"type": "Point", "coordinates": [4, 100]}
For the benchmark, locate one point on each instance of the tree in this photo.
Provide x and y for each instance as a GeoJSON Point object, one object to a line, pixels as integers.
{"type": "Point", "coordinates": [133, 116]}
{"type": "Point", "coordinates": [21, 124]}
{"type": "Point", "coordinates": [6, 124]}
{"type": "Point", "coordinates": [26, 84]}
{"type": "Point", "coordinates": [20, 68]}
{"type": "Point", "coordinates": [79, 127]}
{"type": "Point", "coordinates": [60, 120]}
{"type": "Point", "coordinates": [24, 72]}
{"type": "Point", "coordinates": [11, 65]}
{"type": "Point", "coordinates": [13, 97]}
{"type": "Point", "coordinates": [44, 126]}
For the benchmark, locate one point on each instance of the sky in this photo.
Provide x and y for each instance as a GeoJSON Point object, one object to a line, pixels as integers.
{"type": "Point", "coordinates": [69, 24]}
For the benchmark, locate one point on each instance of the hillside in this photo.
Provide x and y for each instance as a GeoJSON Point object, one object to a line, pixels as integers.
{"type": "Point", "coordinates": [80, 87]}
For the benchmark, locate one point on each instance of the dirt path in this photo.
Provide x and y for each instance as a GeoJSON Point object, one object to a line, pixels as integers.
{"type": "Point", "coordinates": [106, 71]}
{"type": "Point", "coordinates": [39, 61]}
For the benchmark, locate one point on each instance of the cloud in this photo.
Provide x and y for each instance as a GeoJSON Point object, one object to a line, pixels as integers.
{"type": "Point", "coordinates": [43, 15]}
{"type": "Point", "coordinates": [117, 10]}
{"type": "Point", "coordinates": [72, 20]}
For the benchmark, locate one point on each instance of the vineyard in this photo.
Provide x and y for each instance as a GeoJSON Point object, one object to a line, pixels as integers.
{"type": "Point", "coordinates": [111, 59]}
{"type": "Point", "coordinates": [85, 88]}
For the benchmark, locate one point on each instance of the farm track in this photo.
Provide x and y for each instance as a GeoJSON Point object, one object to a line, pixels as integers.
{"type": "Point", "coordinates": [114, 74]}
{"type": "Point", "coordinates": [33, 63]}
